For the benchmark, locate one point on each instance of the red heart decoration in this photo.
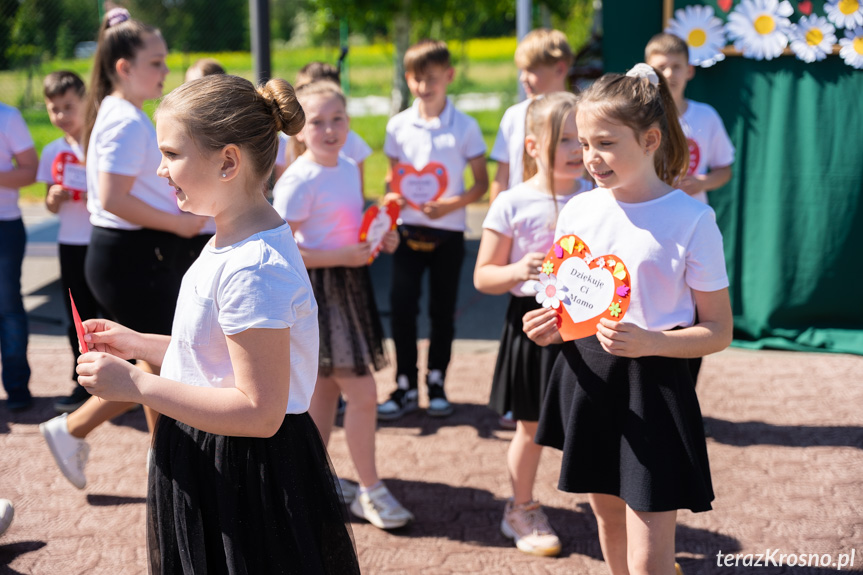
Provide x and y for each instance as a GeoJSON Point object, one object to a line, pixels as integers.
{"type": "Point", "coordinates": [419, 186]}
{"type": "Point", "coordinates": [67, 171]}
{"type": "Point", "coordinates": [725, 4]}
{"type": "Point", "coordinates": [587, 288]}
{"type": "Point", "coordinates": [805, 7]}
{"type": "Point", "coordinates": [376, 223]}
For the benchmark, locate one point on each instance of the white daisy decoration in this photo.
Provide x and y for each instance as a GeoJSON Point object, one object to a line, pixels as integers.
{"type": "Point", "coordinates": [548, 293]}
{"type": "Point", "coordinates": [845, 13]}
{"type": "Point", "coordinates": [852, 47]}
{"type": "Point", "coordinates": [759, 28]}
{"type": "Point", "coordinates": [703, 33]}
{"type": "Point", "coordinates": [812, 38]}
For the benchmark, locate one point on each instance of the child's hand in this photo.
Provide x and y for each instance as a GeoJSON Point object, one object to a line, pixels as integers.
{"type": "Point", "coordinates": [394, 198]}
{"type": "Point", "coordinates": [55, 198]}
{"type": "Point", "coordinates": [624, 339]}
{"type": "Point", "coordinates": [357, 255]}
{"type": "Point", "coordinates": [108, 377]}
{"type": "Point", "coordinates": [691, 184]}
{"type": "Point", "coordinates": [541, 326]}
{"type": "Point", "coordinates": [439, 208]}
{"type": "Point", "coordinates": [527, 268]}
{"type": "Point", "coordinates": [391, 242]}
{"type": "Point", "coordinates": [106, 336]}
{"type": "Point", "coordinates": [189, 225]}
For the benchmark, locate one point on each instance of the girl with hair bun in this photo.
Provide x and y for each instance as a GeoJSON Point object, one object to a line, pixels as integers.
{"type": "Point", "coordinates": [621, 405]}
{"type": "Point", "coordinates": [240, 481]}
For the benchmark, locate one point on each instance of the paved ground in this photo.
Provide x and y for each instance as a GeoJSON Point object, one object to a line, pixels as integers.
{"type": "Point", "coordinates": [786, 453]}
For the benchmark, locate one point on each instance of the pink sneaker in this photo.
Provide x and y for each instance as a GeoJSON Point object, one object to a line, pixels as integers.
{"type": "Point", "coordinates": [528, 526]}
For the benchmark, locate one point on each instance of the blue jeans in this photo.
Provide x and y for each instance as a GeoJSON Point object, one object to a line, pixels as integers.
{"type": "Point", "coordinates": [13, 318]}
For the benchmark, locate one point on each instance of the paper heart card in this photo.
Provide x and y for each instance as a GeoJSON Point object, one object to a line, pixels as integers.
{"type": "Point", "coordinates": [419, 186]}
{"type": "Point", "coordinates": [69, 172]}
{"type": "Point", "coordinates": [376, 223]}
{"type": "Point", "coordinates": [582, 287]}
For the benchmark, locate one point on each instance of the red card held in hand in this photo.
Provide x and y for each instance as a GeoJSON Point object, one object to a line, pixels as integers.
{"type": "Point", "coordinates": [79, 326]}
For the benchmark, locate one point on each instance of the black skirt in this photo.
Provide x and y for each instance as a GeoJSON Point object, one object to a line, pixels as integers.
{"type": "Point", "coordinates": [351, 335]}
{"type": "Point", "coordinates": [239, 505]}
{"type": "Point", "coordinates": [522, 370]}
{"type": "Point", "coordinates": [627, 427]}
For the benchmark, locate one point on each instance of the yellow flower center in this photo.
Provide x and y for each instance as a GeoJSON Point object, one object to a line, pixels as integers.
{"type": "Point", "coordinates": [814, 36]}
{"type": "Point", "coordinates": [858, 45]}
{"type": "Point", "coordinates": [849, 6]}
{"type": "Point", "coordinates": [697, 38]}
{"type": "Point", "coordinates": [764, 24]}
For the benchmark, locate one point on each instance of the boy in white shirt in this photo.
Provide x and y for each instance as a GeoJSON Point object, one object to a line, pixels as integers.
{"type": "Point", "coordinates": [18, 162]}
{"type": "Point", "coordinates": [432, 233]}
{"type": "Point", "coordinates": [711, 152]}
{"type": "Point", "coordinates": [543, 57]}
{"type": "Point", "coordinates": [64, 93]}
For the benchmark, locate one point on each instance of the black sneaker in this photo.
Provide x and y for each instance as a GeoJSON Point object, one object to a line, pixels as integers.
{"type": "Point", "coordinates": [439, 406]}
{"type": "Point", "coordinates": [401, 402]}
{"type": "Point", "coordinates": [75, 400]}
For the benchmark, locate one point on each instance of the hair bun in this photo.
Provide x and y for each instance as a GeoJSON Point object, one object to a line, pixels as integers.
{"type": "Point", "coordinates": [282, 101]}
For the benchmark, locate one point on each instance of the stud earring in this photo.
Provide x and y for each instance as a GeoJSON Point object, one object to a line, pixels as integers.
{"type": "Point", "coordinates": [224, 175]}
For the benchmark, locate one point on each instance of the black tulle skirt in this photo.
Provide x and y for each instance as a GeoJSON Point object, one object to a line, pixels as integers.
{"type": "Point", "coordinates": [349, 324]}
{"type": "Point", "coordinates": [627, 427]}
{"type": "Point", "coordinates": [522, 369]}
{"type": "Point", "coordinates": [240, 505]}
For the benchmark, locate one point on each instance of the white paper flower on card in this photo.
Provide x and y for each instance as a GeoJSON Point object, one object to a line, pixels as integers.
{"type": "Point", "coordinates": [812, 38]}
{"type": "Point", "coordinates": [703, 33]}
{"type": "Point", "coordinates": [852, 47]}
{"type": "Point", "coordinates": [548, 292]}
{"type": "Point", "coordinates": [759, 28]}
{"type": "Point", "coordinates": [845, 13]}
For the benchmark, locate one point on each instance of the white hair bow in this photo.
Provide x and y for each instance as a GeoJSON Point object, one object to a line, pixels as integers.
{"type": "Point", "coordinates": [644, 71]}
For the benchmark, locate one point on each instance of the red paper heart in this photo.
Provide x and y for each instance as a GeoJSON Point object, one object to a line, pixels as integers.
{"type": "Point", "coordinates": [391, 211]}
{"type": "Point", "coordinates": [63, 174]}
{"type": "Point", "coordinates": [419, 186]}
{"type": "Point", "coordinates": [725, 4]}
{"type": "Point", "coordinates": [805, 7]}
{"type": "Point", "coordinates": [587, 291]}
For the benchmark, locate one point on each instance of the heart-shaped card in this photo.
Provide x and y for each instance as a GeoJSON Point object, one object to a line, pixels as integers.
{"type": "Point", "coordinates": [419, 186]}
{"type": "Point", "coordinates": [582, 288]}
{"type": "Point", "coordinates": [69, 172]}
{"type": "Point", "coordinates": [376, 223]}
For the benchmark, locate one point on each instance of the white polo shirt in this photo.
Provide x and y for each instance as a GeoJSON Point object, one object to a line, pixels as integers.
{"type": "Point", "coordinates": [14, 139]}
{"type": "Point", "coordinates": [451, 139]}
{"type": "Point", "coordinates": [509, 143]}
{"type": "Point", "coordinates": [75, 225]}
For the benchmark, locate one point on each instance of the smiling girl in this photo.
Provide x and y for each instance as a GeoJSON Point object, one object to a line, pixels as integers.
{"type": "Point", "coordinates": [621, 404]}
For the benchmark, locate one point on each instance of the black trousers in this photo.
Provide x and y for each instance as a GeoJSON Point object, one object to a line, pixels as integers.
{"type": "Point", "coordinates": [442, 253]}
{"type": "Point", "coordinates": [72, 278]}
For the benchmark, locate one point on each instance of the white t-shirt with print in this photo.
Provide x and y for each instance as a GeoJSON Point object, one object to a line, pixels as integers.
{"type": "Point", "coordinates": [75, 224]}
{"type": "Point", "coordinates": [709, 144]}
{"type": "Point", "coordinates": [528, 217]}
{"type": "Point", "coordinates": [509, 143]}
{"type": "Point", "coordinates": [14, 139]}
{"type": "Point", "coordinates": [670, 245]}
{"type": "Point", "coordinates": [259, 283]}
{"type": "Point", "coordinates": [452, 139]}
{"type": "Point", "coordinates": [324, 203]}
{"type": "Point", "coordinates": [123, 142]}
{"type": "Point", "coordinates": [355, 148]}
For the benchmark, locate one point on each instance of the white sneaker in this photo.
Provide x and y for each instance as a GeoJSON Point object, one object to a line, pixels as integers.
{"type": "Point", "coordinates": [381, 509]}
{"type": "Point", "coordinates": [69, 452]}
{"type": "Point", "coordinates": [347, 490]}
{"type": "Point", "coordinates": [7, 513]}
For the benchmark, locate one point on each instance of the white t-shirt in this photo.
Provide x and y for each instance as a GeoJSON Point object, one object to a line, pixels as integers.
{"type": "Point", "coordinates": [709, 144]}
{"type": "Point", "coordinates": [355, 148]}
{"type": "Point", "coordinates": [75, 225]}
{"type": "Point", "coordinates": [123, 142]}
{"type": "Point", "coordinates": [324, 203]}
{"type": "Point", "coordinates": [509, 143]}
{"type": "Point", "coordinates": [670, 245]}
{"type": "Point", "coordinates": [452, 139]}
{"type": "Point", "coordinates": [260, 283]}
{"type": "Point", "coordinates": [14, 139]}
{"type": "Point", "coordinates": [527, 216]}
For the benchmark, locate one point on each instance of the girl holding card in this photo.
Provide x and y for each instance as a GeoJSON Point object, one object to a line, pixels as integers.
{"type": "Point", "coordinates": [621, 404]}
{"type": "Point", "coordinates": [320, 196]}
{"type": "Point", "coordinates": [517, 232]}
{"type": "Point", "coordinates": [240, 481]}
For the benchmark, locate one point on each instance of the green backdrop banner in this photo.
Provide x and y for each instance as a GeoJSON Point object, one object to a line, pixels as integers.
{"type": "Point", "coordinates": [792, 215]}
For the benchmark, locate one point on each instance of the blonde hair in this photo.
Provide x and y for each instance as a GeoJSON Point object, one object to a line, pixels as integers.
{"type": "Point", "coordinates": [219, 110]}
{"type": "Point", "coordinates": [638, 104]}
{"type": "Point", "coordinates": [316, 71]}
{"type": "Point", "coordinates": [304, 93]}
{"type": "Point", "coordinates": [544, 121]}
{"type": "Point", "coordinates": [543, 47]}
{"type": "Point", "coordinates": [666, 44]}
{"type": "Point", "coordinates": [426, 53]}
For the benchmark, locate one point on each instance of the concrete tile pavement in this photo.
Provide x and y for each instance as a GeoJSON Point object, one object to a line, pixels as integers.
{"type": "Point", "coordinates": [786, 455]}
